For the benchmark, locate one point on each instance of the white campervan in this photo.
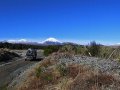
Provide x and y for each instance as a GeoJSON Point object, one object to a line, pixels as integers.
{"type": "Point", "coordinates": [31, 54]}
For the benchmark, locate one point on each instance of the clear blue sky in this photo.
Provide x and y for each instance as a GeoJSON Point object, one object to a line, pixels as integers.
{"type": "Point", "coordinates": [78, 20]}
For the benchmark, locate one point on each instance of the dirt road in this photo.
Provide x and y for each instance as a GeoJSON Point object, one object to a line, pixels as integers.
{"type": "Point", "coordinates": [11, 70]}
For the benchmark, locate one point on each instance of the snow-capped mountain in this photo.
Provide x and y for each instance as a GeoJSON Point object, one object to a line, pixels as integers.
{"type": "Point", "coordinates": [49, 41]}
{"type": "Point", "coordinates": [52, 41]}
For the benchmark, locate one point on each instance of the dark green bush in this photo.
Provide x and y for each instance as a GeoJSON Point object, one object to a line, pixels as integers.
{"type": "Point", "coordinates": [50, 49]}
{"type": "Point", "coordinates": [68, 48]}
{"type": "Point", "coordinates": [19, 46]}
{"type": "Point", "coordinates": [38, 72]}
{"type": "Point", "coordinates": [94, 49]}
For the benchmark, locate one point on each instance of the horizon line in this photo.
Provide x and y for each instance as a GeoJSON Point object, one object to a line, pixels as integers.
{"type": "Point", "coordinates": [83, 42]}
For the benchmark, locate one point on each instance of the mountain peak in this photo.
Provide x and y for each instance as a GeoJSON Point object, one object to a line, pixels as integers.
{"type": "Point", "coordinates": [52, 40]}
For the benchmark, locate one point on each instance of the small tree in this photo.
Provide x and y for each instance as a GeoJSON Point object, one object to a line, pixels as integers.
{"type": "Point", "coordinates": [94, 48]}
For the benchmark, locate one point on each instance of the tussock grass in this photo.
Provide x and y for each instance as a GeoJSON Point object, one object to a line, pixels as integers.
{"type": "Point", "coordinates": [90, 80]}
{"type": "Point", "coordinates": [62, 69]}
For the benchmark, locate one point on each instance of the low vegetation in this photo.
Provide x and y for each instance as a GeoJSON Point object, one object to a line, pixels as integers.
{"type": "Point", "coordinates": [92, 49]}
{"type": "Point", "coordinates": [50, 49]}
{"type": "Point", "coordinates": [54, 75]}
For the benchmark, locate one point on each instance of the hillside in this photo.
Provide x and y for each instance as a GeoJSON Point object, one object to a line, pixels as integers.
{"type": "Point", "coordinates": [63, 71]}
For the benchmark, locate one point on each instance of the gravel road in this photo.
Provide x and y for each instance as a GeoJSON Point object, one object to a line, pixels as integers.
{"type": "Point", "coordinates": [9, 71]}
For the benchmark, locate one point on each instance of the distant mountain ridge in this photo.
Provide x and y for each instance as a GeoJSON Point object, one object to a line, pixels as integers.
{"type": "Point", "coordinates": [49, 41]}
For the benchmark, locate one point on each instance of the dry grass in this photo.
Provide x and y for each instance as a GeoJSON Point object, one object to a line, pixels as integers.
{"type": "Point", "coordinates": [90, 80]}
{"type": "Point", "coordinates": [74, 69]}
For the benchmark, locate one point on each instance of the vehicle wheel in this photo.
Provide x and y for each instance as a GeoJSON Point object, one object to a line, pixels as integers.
{"type": "Point", "coordinates": [34, 58]}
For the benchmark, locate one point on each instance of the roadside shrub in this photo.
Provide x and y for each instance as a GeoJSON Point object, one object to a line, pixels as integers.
{"type": "Point", "coordinates": [38, 72]}
{"type": "Point", "coordinates": [94, 49]}
{"type": "Point", "coordinates": [105, 52]}
{"type": "Point", "coordinates": [68, 48]}
{"type": "Point", "coordinates": [62, 69]}
{"type": "Point", "coordinates": [50, 49]}
{"type": "Point", "coordinates": [48, 76]}
{"type": "Point", "coordinates": [81, 50]}
{"type": "Point", "coordinates": [44, 75]}
{"type": "Point", "coordinates": [42, 67]}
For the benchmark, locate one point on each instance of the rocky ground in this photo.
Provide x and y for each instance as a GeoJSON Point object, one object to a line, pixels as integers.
{"type": "Point", "coordinates": [103, 65]}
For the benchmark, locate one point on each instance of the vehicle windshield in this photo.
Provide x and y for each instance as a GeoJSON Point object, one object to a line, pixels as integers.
{"type": "Point", "coordinates": [30, 52]}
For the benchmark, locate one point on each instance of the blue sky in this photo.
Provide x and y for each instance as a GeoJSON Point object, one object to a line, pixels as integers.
{"type": "Point", "coordinates": [67, 20]}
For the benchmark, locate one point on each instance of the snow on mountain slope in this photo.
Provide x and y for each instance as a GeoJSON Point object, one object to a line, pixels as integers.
{"type": "Point", "coordinates": [52, 41]}
{"type": "Point", "coordinates": [18, 41]}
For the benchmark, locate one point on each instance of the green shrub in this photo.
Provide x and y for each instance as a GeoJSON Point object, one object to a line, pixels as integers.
{"type": "Point", "coordinates": [48, 77]}
{"type": "Point", "coordinates": [94, 49]}
{"type": "Point", "coordinates": [62, 69]}
{"type": "Point", "coordinates": [68, 48]}
{"type": "Point", "coordinates": [105, 51]}
{"type": "Point", "coordinates": [81, 50]}
{"type": "Point", "coordinates": [43, 74]}
{"type": "Point", "coordinates": [50, 49]}
{"type": "Point", "coordinates": [38, 72]}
